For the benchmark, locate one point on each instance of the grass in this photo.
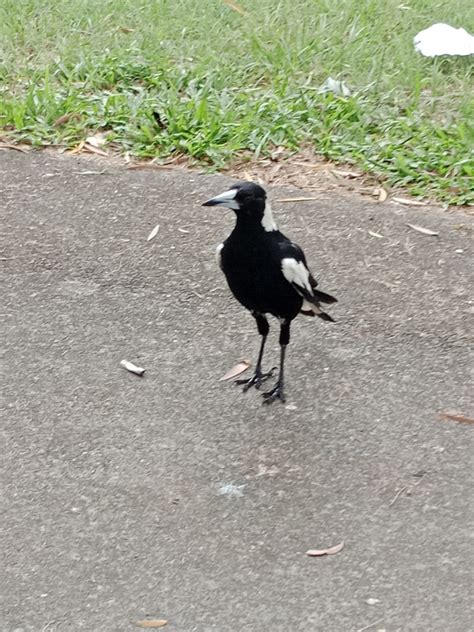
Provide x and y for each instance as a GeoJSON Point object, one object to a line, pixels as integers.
{"type": "Point", "coordinates": [200, 79]}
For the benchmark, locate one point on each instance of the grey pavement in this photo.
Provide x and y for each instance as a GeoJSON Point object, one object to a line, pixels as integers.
{"type": "Point", "coordinates": [113, 486]}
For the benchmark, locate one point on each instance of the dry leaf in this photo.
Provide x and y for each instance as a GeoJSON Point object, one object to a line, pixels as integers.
{"type": "Point", "coordinates": [457, 417]}
{"type": "Point", "coordinates": [149, 165]}
{"type": "Point", "coordinates": [90, 173]}
{"type": "Point", "coordinates": [183, 230]}
{"type": "Point", "coordinates": [380, 193]}
{"type": "Point", "coordinates": [408, 202]}
{"type": "Point", "coordinates": [15, 147]}
{"type": "Point", "coordinates": [78, 148]}
{"type": "Point", "coordinates": [133, 368]}
{"type": "Point", "coordinates": [65, 118]}
{"type": "Point", "coordinates": [125, 29]}
{"type": "Point", "coordinates": [371, 232]}
{"type": "Point", "coordinates": [421, 229]}
{"type": "Point", "coordinates": [346, 174]}
{"type": "Point", "coordinates": [234, 6]}
{"type": "Point", "coordinates": [97, 140]}
{"type": "Point", "coordinates": [297, 199]}
{"type": "Point", "coordinates": [331, 551]}
{"type": "Point", "coordinates": [152, 623]}
{"type": "Point", "coordinates": [153, 233]}
{"type": "Point", "coordinates": [236, 370]}
{"type": "Point", "coordinates": [94, 150]}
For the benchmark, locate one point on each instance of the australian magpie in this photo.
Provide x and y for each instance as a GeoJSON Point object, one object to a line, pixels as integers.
{"type": "Point", "coordinates": [267, 273]}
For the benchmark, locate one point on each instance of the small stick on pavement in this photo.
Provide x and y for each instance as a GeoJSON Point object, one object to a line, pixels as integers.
{"type": "Point", "coordinates": [397, 496]}
{"type": "Point", "coordinates": [133, 368]}
{"type": "Point", "coordinates": [371, 625]}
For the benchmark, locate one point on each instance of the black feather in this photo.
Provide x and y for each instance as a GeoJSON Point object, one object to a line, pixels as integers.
{"type": "Point", "coordinates": [322, 297]}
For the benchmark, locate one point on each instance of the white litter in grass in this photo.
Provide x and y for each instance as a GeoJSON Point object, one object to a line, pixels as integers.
{"type": "Point", "coordinates": [339, 88]}
{"type": "Point", "coordinates": [229, 489]}
{"type": "Point", "coordinates": [442, 39]}
{"type": "Point", "coordinates": [133, 368]}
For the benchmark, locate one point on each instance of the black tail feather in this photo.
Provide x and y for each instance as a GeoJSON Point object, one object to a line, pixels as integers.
{"type": "Point", "coordinates": [325, 316]}
{"type": "Point", "coordinates": [322, 297]}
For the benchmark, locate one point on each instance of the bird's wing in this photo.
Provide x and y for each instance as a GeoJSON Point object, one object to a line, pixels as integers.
{"type": "Point", "coordinates": [298, 275]}
{"type": "Point", "coordinates": [296, 272]}
{"type": "Point", "coordinates": [295, 269]}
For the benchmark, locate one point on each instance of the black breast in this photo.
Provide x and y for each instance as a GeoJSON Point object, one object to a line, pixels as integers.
{"type": "Point", "coordinates": [252, 266]}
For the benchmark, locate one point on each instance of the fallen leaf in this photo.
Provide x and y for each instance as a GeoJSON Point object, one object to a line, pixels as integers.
{"type": "Point", "coordinates": [236, 370]}
{"type": "Point", "coordinates": [297, 199]}
{"type": "Point", "coordinates": [133, 368]}
{"type": "Point", "coordinates": [97, 140]}
{"type": "Point", "coordinates": [425, 231]}
{"type": "Point", "coordinates": [371, 232]}
{"type": "Point", "coordinates": [153, 233]}
{"type": "Point", "coordinates": [330, 551]}
{"type": "Point", "coordinates": [149, 165]}
{"type": "Point", "coordinates": [380, 193]}
{"type": "Point", "coordinates": [183, 230]}
{"type": "Point", "coordinates": [94, 150]}
{"type": "Point", "coordinates": [78, 148]}
{"type": "Point", "coordinates": [408, 202]}
{"type": "Point", "coordinates": [345, 174]}
{"type": "Point", "coordinates": [152, 623]}
{"type": "Point", "coordinates": [462, 419]}
{"type": "Point", "coordinates": [15, 147]}
{"type": "Point", "coordinates": [90, 173]}
{"type": "Point", "coordinates": [234, 6]}
{"type": "Point", "coordinates": [125, 29]}
{"type": "Point", "coordinates": [65, 118]}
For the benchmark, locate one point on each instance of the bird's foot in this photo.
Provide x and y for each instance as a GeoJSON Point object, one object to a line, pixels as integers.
{"type": "Point", "coordinates": [256, 380]}
{"type": "Point", "coordinates": [275, 393]}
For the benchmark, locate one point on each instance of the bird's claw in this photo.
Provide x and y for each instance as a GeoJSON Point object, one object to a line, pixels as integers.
{"type": "Point", "coordinates": [275, 393]}
{"type": "Point", "coordinates": [256, 380]}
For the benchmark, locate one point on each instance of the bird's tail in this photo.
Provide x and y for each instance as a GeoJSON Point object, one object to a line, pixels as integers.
{"type": "Point", "coordinates": [313, 308]}
{"type": "Point", "coordinates": [322, 297]}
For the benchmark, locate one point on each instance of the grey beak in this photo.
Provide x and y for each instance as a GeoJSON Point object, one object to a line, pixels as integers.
{"type": "Point", "coordinates": [224, 199]}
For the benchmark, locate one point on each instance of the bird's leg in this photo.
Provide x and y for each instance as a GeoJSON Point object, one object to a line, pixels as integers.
{"type": "Point", "coordinates": [258, 377]}
{"type": "Point", "coordinates": [277, 391]}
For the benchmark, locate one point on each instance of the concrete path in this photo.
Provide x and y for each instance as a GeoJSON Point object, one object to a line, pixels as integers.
{"type": "Point", "coordinates": [176, 496]}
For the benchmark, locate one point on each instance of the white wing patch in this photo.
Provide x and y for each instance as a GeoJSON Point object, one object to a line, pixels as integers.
{"type": "Point", "coordinates": [268, 222]}
{"type": "Point", "coordinates": [296, 273]}
{"type": "Point", "coordinates": [218, 255]}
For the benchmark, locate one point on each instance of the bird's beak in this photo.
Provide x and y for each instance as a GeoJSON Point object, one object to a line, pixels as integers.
{"type": "Point", "coordinates": [224, 199]}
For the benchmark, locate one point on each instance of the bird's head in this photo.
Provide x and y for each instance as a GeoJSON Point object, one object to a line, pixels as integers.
{"type": "Point", "coordinates": [249, 201]}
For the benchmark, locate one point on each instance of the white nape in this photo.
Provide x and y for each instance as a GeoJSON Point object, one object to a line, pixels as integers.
{"type": "Point", "coordinates": [218, 255]}
{"type": "Point", "coordinates": [268, 222]}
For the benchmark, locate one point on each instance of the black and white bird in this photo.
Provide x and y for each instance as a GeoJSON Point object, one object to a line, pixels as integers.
{"type": "Point", "coordinates": [267, 273]}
